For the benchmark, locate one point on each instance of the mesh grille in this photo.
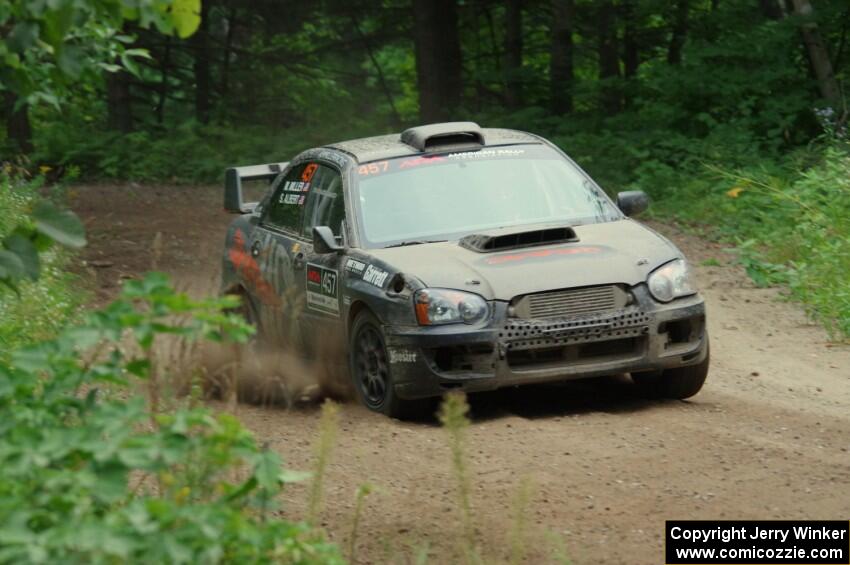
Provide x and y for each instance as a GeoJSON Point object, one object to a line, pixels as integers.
{"type": "Point", "coordinates": [532, 334]}
{"type": "Point", "coordinates": [571, 302]}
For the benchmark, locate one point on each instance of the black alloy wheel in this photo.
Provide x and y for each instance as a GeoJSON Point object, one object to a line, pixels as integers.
{"type": "Point", "coordinates": [371, 367]}
{"type": "Point", "coordinates": [372, 372]}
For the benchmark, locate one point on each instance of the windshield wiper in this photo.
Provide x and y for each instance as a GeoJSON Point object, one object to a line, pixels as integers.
{"type": "Point", "coordinates": [415, 242]}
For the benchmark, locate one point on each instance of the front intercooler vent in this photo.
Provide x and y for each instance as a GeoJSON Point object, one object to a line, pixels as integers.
{"type": "Point", "coordinates": [485, 243]}
{"type": "Point", "coordinates": [571, 302]}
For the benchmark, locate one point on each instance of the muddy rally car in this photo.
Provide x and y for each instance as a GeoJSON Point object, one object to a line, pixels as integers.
{"type": "Point", "coordinates": [458, 257]}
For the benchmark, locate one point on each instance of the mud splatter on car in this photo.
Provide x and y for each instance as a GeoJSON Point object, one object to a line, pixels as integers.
{"type": "Point", "coordinates": [458, 257]}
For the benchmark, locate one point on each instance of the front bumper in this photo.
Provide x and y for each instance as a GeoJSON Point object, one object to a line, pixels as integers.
{"type": "Point", "coordinates": [646, 336]}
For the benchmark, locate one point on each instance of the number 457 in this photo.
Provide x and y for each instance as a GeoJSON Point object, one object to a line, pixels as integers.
{"type": "Point", "coordinates": [373, 168]}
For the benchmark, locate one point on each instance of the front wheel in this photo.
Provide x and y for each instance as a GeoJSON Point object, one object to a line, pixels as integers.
{"type": "Point", "coordinates": [372, 373]}
{"type": "Point", "coordinates": [680, 383]}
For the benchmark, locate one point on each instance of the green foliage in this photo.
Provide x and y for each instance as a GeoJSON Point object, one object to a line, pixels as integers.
{"type": "Point", "coordinates": [819, 237]}
{"type": "Point", "coordinates": [87, 474]}
{"type": "Point", "coordinates": [52, 45]}
{"type": "Point", "coordinates": [188, 153]}
{"type": "Point", "coordinates": [790, 225]}
{"type": "Point", "coordinates": [46, 296]}
{"type": "Point", "coordinates": [34, 234]}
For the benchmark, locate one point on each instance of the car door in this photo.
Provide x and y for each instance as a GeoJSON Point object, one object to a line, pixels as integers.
{"type": "Point", "coordinates": [277, 245]}
{"type": "Point", "coordinates": [324, 206]}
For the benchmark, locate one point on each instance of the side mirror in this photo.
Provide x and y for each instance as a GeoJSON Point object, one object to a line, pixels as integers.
{"type": "Point", "coordinates": [632, 202]}
{"type": "Point", "coordinates": [324, 240]}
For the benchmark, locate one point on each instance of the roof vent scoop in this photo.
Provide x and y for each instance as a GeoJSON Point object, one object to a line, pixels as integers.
{"type": "Point", "coordinates": [487, 243]}
{"type": "Point", "coordinates": [444, 136]}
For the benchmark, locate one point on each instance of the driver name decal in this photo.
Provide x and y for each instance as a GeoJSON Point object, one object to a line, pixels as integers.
{"type": "Point", "coordinates": [322, 294]}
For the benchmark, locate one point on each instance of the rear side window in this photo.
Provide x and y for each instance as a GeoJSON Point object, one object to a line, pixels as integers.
{"type": "Point", "coordinates": [325, 205]}
{"type": "Point", "coordinates": [285, 208]}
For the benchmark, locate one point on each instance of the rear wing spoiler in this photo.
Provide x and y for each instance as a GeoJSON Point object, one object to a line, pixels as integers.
{"type": "Point", "coordinates": [233, 178]}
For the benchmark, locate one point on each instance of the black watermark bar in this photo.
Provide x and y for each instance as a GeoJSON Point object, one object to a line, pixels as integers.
{"type": "Point", "coordinates": [745, 542]}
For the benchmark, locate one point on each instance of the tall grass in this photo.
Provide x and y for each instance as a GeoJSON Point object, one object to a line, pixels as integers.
{"type": "Point", "coordinates": [453, 416]}
{"type": "Point", "coordinates": [522, 500]}
{"type": "Point", "coordinates": [363, 491]}
{"type": "Point", "coordinates": [328, 425]}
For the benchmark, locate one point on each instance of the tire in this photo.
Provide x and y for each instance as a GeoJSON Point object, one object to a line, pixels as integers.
{"type": "Point", "coordinates": [249, 314]}
{"type": "Point", "coordinates": [678, 383]}
{"type": "Point", "coordinates": [371, 371]}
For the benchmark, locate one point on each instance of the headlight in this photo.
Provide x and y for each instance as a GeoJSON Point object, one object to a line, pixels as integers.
{"type": "Point", "coordinates": [670, 281]}
{"type": "Point", "coordinates": [442, 306]}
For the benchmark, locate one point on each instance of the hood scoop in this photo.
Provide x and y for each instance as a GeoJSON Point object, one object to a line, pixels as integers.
{"type": "Point", "coordinates": [500, 241]}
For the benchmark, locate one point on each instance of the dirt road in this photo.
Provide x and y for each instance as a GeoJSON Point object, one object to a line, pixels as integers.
{"type": "Point", "coordinates": [768, 438]}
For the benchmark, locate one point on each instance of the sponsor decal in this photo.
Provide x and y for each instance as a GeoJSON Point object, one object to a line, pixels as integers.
{"type": "Point", "coordinates": [314, 276]}
{"type": "Point", "coordinates": [346, 300]}
{"type": "Point", "coordinates": [417, 161]}
{"type": "Point", "coordinates": [355, 266]}
{"type": "Point", "coordinates": [328, 155]}
{"type": "Point", "coordinates": [498, 260]}
{"type": "Point", "coordinates": [375, 276]}
{"type": "Point", "coordinates": [322, 289]}
{"type": "Point", "coordinates": [486, 153]}
{"type": "Point", "coordinates": [402, 356]}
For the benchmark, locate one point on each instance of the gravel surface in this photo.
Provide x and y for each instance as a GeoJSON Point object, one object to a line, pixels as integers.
{"type": "Point", "coordinates": [767, 438]}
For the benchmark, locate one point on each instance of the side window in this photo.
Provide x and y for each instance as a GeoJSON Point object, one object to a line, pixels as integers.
{"type": "Point", "coordinates": [325, 206]}
{"type": "Point", "coordinates": [287, 201]}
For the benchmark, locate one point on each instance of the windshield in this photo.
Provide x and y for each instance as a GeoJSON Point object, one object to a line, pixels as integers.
{"type": "Point", "coordinates": [443, 197]}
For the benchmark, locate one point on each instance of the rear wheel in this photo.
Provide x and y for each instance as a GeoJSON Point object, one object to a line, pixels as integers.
{"type": "Point", "coordinates": [249, 314]}
{"type": "Point", "coordinates": [372, 373]}
{"type": "Point", "coordinates": [681, 382]}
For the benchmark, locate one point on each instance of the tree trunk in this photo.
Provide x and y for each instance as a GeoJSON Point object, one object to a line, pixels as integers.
{"type": "Point", "coordinates": [163, 82]}
{"type": "Point", "coordinates": [201, 67]}
{"type": "Point", "coordinates": [18, 129]}
{"type": "Point", "coordinates": [680, 32]}
{"type": "Point", "coordinates": [119, 109]}
{"type": "Point", "coordinates": [438, 58]}
{"type": "Point", "coordinates": [771, 9]}
{"type": "Point", "coordinates": [818, 54]}
{"type": "Point", "coordinates": [225, 64]}
{"type": "Point", "coordinates": [609, 58]}
{"type": "Point", "coordinates": [631, 53]}
{"type": "Point", "coordinates": [561, 57]}
{"type": "Point", "coordinates": [513, 54]}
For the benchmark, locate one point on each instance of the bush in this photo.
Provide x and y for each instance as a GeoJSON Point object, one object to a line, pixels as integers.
{"type": "Point", "coordinates": [88, 474]}
{"type": "Point", "coordinates": [184, 153]}
{"type": "Point", "coordinates": [789, 221]}
{"type": "Point", "coordinates": [45, 305]}
{"type": "Point", "coordinates": [820, 263]}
